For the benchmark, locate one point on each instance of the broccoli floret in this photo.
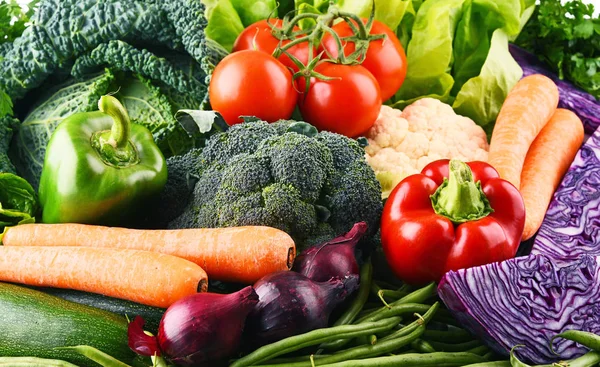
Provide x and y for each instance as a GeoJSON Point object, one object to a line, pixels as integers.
{"type": "Point", "coordinates": [313, 187]}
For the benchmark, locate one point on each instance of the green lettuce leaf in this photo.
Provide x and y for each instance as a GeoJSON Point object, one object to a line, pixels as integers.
{"type": "Point", "coordinates": [224, 23]}
{"type": "Point", "coordinates": [481, 97]}
{"type": "Point", "coordinates": [458, 53]}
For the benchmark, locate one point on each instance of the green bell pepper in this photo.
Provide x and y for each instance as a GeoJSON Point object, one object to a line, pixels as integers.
{"type": "Point", "coordinates": [100, 168]}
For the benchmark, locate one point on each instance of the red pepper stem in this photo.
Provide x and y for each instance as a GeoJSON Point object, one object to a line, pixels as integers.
{"type": "Point", "coordinates": [459, 198]}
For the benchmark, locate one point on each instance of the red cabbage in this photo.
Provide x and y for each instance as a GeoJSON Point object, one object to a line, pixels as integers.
{"type": "Point", "coordinates": [582, 103]}
{"type": "Point", "coordinates": [571, 226]}
{"type": "Point", "coordinates": [527, 300]}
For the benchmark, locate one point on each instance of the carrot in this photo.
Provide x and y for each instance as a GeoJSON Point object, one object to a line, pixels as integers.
{"type": "Point", "coordinates": [527, 108]}
{"type": "Point", "coordinates": [145, 277]}
{"type": "Point", "coordinates": [235, 254]}
{"type": "Point", "coordinates": [546, 163]}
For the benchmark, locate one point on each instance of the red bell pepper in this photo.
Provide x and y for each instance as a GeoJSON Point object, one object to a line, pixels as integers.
{"type": "Point", "coordinates": [450, 216]}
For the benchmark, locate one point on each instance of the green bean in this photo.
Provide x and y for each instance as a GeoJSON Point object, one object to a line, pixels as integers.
{"type": "Point", "coordinates": [395, 310]}
{"type": "Point", "coordinates": [97, 356]}
{"type": "Point", "coordinates": [415, 324]}
{"type": "Point", "coordinates": [449, 336]}
{"type": "Point", "coordinates": [589, 359]}
{"type": "Point", "coordinates": [481, 350]}
{"type": "Point", "coordinates": [461, 347]}
{"type": "Point", "coordinates": [490, 364]}
{"type": "Point", "coordinates": [32, 362]}
{"type": "Point", "coordinates": [584, 338]}
{"type": "Point", "coordinates": [439, 359]}
{"type": "Point", "coordinates": [361, 352]}
{"type": "Point", "coordinates": [314, 337]}
{"type": "Point", "coordinates": [366, 279]}
{"type": "Point", "coordinates": [514, 361]}
{"type": "Point", "coordinates": [422, 346]}
{"type": "Point", "coordinates": [418, 296]}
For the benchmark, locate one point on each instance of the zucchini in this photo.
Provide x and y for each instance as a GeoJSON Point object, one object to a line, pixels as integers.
{"type": "Point", "coordinates": [152, 315]}
{"type": "Point", "coordinates": [33, 324]}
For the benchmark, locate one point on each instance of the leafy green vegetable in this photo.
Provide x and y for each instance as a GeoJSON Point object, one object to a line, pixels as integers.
{"type": "Point", "coordinates": [14, 20]}
{"type": "Point", "coordinates": [228, 18]}
{"type": "Point", "coordinates": [29, 147]}
{"type": "Point", "coordinates": [18, 202]}
{"type": "Point", "coordinates": [7, 125]}
{"type": "Point", "coordinates": [6, 105]}
{"type": "Point", "coordinates": [458, 53]}
{"type": "Point", "coordinates": [159, 59]}
{"type": "Point", "coordinates": [567, 38]}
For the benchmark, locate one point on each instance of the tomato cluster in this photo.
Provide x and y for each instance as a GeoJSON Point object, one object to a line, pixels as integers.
{"type": "Point", "coordinates": [343, 98]}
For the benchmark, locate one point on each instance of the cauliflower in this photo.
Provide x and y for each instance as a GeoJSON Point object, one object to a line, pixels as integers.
{"type": "Point", "coordinates": [401, 143]}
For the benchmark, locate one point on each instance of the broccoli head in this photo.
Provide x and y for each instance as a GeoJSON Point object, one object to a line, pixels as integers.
{"type": "Point", "coordinates": [313, 185]}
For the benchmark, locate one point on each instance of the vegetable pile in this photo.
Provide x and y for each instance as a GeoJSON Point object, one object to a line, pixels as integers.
{"type": "Point", "coordinates": [232, 183]}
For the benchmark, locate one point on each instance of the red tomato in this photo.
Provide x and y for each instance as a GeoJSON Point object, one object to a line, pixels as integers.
{"type": "Point", "coordinates": [385, 58]}
{"type": "Point", "coordinates": [348, 104]}
{"type": "Point", "coordinates": [252, 83]}
{"type": "Point", "coordinates": [259, 36]}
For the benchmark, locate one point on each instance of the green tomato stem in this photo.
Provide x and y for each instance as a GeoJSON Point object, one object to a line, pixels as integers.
{"type": "Point", "coordinates": [459, 198]}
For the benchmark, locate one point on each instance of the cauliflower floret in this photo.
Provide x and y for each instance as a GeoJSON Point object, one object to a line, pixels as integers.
{"type": "Point", "coordinates": [401, 143]}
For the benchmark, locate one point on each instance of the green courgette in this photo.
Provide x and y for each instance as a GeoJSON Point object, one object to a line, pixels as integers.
{"type": "Point", "coordinates": [152, 315]}
{"type": "Point", "coordinates": [34, 324]}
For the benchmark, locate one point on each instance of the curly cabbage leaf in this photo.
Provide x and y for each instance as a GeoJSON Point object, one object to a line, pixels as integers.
{"type": "Point", "coordinates": [29, 145]}
{"type": "Point", "coordinates": [162, 42]}
{"type": "Point", "coordinates": [147, 106]}
{"type": "Point", "coordinates": [570, 229]}
{"type": "Point", "coordinates": [7, 125]}
{"type": "Point", "coordinates": [527, 300]}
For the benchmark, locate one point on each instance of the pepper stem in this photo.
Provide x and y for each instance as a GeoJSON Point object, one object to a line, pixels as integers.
{"type": "Point", "coordinates": [113, 145]}
{"type": "Point", "coordinates": [459, 198]}
{"type": "Point", "coordinates": [121, 128]}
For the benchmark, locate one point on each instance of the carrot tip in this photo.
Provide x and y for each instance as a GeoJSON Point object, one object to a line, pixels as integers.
{"type": "Point", "coordinates": [203, 286]}
{"type": "Point", "coordinates": [290, 258]}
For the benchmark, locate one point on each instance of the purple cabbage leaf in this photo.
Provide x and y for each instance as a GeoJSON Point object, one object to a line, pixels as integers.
{"type": "Point", "coordinates": [571, 227]}
{"type": "Point", "coordinates": [527, 300]}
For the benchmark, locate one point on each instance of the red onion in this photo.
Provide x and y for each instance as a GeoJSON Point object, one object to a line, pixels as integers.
{"type": "Point", "coordinates": [333, 259]}
{"type": "Point", "coordinates": [291, 304]}
{"type": "Point", "coordinates": [203, 329]}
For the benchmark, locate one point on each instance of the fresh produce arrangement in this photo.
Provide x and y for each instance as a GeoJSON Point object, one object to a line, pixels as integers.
{"type": "Point", "coordinates": [299, 183]}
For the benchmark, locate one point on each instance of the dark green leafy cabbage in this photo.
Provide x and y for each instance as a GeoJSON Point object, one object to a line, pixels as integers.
{"type": "Point", "coordinates": [527, 300]}
{"type": "Point", "coordinates": [29, 146]}
{"type": "Point", "coordinates": [7, 125]}
{"type": "Point", "coordinates": [159, 60]}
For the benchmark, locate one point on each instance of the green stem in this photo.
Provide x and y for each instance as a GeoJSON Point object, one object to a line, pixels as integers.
{"type": "Point", "coordinates": [121, 129]}
{"type": "Point", "coordinates": [113, 145]}
{"type": "Point", "coordinates": [459, 198]}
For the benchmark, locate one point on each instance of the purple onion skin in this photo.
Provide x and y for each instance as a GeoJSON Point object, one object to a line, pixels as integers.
{"type": "Point", "coordinates": [571, 97]}
{"type": "Point", "coordinates": [333, 259]}
{"type": "Point", "coordinates": [205, 329]}
{"type": "Point", "coordinates": [292, 304]}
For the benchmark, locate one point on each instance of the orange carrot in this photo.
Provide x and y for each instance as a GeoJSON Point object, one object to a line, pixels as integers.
{"type": "Point", "coordinates": [546, 163]}
{"type": "Point", "coordinates": [526, 110]}
{"type": "Point", "coordinates": [236, 254]}
{"type": "Point", "coordinates": [145, 277]}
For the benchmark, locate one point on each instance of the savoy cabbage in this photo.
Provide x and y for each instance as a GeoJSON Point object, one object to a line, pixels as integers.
{"type": "Point", "coordinates": [153, 54]}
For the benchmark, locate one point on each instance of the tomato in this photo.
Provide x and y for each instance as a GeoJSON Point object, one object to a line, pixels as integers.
{"type": "Point", "coordinates": [348, 104]}
{"type": "Point", "coordinates": [252, 83]}
{"type": "Point", "coordinates": [385, 58]}
{"type": "Point", "coordinates": [259, 36]}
